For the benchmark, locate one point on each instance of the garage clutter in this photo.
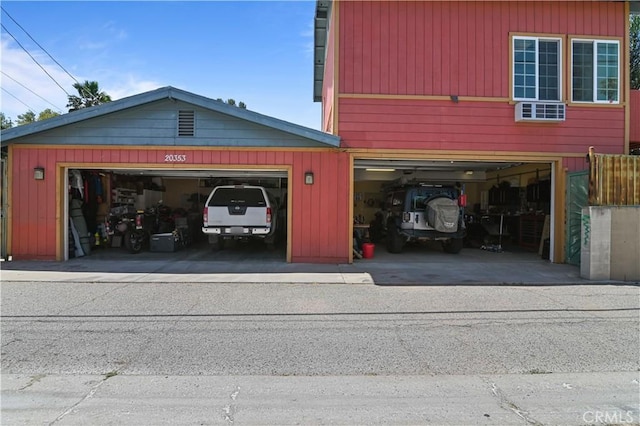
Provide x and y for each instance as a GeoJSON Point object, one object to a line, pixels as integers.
{"type": "Point", "coordinates": [110, 211]}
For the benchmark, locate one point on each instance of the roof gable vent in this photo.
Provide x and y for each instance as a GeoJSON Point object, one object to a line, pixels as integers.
{"type": "Point", "coordinates": [186, 123]}
{"type": "Point", "coordinates": [538, 111]}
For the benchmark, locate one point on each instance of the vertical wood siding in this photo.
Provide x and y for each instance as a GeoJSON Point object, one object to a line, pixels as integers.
{"type": "Point", "coordinates": [319, 213]}
{"type": "Point", "coordinates": [614, 180]}
{"type": "Point", "coordinates": [575, 164]}
{"type": "Point", "coordinates": [475, 126]}
{"type": "Point", "coordinates": [445, 48]}
{"type": "Point", "coordinates": [452, 48]}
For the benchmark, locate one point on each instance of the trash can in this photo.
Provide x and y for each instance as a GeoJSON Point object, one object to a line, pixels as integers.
{"type": "Point", "coordinates": [367, 250]}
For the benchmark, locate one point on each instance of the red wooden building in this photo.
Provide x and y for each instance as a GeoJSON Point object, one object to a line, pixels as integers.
{"type": "Point", "coordinates": [415, 85]}
{"type": "Point", "coordinates": [186, 141]}
{"type": "Point", "coordinates": [484, 93]}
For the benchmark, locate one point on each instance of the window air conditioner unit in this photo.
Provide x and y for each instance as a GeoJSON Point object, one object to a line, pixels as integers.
{"type": "Point", "coordinates": [540, 111]}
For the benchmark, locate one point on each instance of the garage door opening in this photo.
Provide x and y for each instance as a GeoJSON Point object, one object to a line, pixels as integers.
{"type": "Point", "coordinates": [157, 214]}
{"type": "Point", "coordinates": [502, 206]}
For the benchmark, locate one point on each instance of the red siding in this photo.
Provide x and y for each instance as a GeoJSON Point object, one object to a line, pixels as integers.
{"type": "Point", "coordinates": [474, 126]}
{"type": "Point", "coordinates": [575, 164]}
{"type": "Point", "coordinates": [452, 48]}
{"type": "Point", "coordinates": [448, 48]}
{"type": "Point", "coordinates": [316, 209]}
{"type": "Point", "coordinates": [634, 132]}
{"type": "Point", "coordinates": [328, 89]}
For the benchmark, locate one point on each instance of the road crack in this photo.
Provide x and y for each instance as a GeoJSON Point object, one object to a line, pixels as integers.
{"type": "Point", "coordinates": [91, 392]}
{"type": "Point", "coordinates": [34, 379]}
{"type": "Point", "coordinates": [230, 409]}
{"type": "Point", "coordinates": [506, 404]}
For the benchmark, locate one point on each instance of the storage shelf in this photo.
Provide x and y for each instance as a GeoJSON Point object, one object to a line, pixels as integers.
{"type": "Point", "coordinates": [124, 196]}
{"type": "Point", "coordinates": [531, 231]}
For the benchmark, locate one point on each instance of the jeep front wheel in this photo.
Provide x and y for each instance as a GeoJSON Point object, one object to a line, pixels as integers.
{"type": "Point", "coordinates": [395, 241]}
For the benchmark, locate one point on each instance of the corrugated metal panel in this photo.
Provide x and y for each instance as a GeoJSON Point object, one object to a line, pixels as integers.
{"type": "Point", "coordinates": [614, 180]}
{"type": "Point", "coordinates": [577, 196]}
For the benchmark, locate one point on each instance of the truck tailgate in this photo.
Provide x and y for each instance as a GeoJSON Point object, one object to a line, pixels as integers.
{"type": "Point", "coordinates": [237, 216]}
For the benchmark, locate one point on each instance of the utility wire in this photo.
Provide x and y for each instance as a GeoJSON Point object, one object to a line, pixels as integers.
{"type": "Point", "coordinates": [88, 94]}
{"type": "Point", "coordinates": [50, 103]}
{"type": "Point", "coordinates": [38, 44]}
{"type": "Point", "coordinates": [17, 99]}
{"type": "Point", "coordinates": [34, 60]}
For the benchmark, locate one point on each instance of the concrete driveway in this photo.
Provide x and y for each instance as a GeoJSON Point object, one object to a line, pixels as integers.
{"type": "Point", "coordinates": [253, 263]}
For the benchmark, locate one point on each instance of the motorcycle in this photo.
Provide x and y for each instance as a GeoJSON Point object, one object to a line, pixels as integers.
{"type": "Point", "coordinates": [121, 222]}
{"type": "Point", "coordinates": [137, 226]}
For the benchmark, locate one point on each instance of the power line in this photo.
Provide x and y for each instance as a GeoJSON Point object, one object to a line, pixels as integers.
{"type": "Point", "coordinates": [16, 98]}
{"type": "Point", "coordinates": [50, 103]}
{"type": "Point", "coordinates": [38, 44]}
{"type": "Point", "coordinates": [87, 93]}
{"type": "Point", "coordinates": [34, 59]}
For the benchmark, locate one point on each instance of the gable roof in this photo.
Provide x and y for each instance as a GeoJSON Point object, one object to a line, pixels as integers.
{"type": "Point", "coordinates": [170, 93]}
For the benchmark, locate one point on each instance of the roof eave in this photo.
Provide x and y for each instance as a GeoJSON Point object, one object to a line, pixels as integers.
{"type": "Point", "coordinates": [169, 93]}
{"type": "Point", "coordinates": [321, 26]}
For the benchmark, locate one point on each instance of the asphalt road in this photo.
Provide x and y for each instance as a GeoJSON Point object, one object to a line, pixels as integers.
{"type": "Point", "coordinates": [113, 353]}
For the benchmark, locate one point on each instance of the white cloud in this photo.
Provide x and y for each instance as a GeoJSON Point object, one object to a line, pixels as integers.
{"type": "Point", "coordinates": [20, 72]}
{"type": "Point", "coordinates": [129, 85]}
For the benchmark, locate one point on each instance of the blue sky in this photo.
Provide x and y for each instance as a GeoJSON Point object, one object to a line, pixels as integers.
{"type": "Point", "coordinates": [260, 53]}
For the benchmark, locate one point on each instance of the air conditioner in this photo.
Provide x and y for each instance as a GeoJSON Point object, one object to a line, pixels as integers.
{"type": "Point", "coordinates": [540, 111]}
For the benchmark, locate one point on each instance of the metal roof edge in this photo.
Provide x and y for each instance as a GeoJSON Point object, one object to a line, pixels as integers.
{"type": "Point", "coordinates": [321, 24]}
{"type": "Point", "coordinates": [167, 92]}
{"type": "Point", "coordinates": [84, 114]}
{"type": "Point", "coordinates": [256, 117]}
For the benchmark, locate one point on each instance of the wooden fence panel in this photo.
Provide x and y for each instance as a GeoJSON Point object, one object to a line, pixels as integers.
{"type": "Point", "coordinates": [614, 180]}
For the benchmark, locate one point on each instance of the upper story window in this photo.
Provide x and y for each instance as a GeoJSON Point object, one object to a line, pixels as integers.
{"type": "Point", "coordinates": [595, 71]}
{"type": "Point", "coordinates": [536, 67]}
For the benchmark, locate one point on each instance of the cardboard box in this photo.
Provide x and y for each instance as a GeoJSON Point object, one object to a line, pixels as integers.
{"type": "Point", "coordinates": [163, 242]}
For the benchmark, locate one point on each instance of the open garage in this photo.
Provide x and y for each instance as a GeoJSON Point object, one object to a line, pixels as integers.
{"type": "Point", "coordinates": [173, 147]}
{"type": "Point", "coordinates": [165, 209]}
{"type": "Point", "coordinates": [504, 205]}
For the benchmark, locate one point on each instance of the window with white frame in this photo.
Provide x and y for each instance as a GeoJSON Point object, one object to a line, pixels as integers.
{"type": "Point", "coordinates": [536, 67]}
{"type": "Point", "coordinates": [595, 71]}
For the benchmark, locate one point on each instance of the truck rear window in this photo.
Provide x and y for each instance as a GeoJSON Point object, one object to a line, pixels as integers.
{"type": "Point", "coordinates": [249, 197]}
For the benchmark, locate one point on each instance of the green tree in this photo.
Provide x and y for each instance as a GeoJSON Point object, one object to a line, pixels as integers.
{"type": "Point", "coordinates": [46, 114]}
{"type": "Point", "coordinates": [232, 102]}
{"type": "Point", "coordinates": [89, 95]}
{"type": "Point", "coordinates": [634, 47]}
{"type": "Point", "coordinates": [5, 123]}
{"type": "Point", "coordinates": [26, 118]}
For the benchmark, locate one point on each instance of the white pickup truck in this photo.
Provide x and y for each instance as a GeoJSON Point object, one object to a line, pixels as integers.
{"type": "Point", "coordinates": [239, 212]}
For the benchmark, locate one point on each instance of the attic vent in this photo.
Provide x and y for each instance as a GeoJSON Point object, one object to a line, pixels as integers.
{"type": "Point", "coordinates": [538, 111]}
{"type": "Point", "coordinates": [186, 123]}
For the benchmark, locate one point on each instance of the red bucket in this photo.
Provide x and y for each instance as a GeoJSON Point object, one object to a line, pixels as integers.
{"type": "Point", "coordinates": [367, 250]}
